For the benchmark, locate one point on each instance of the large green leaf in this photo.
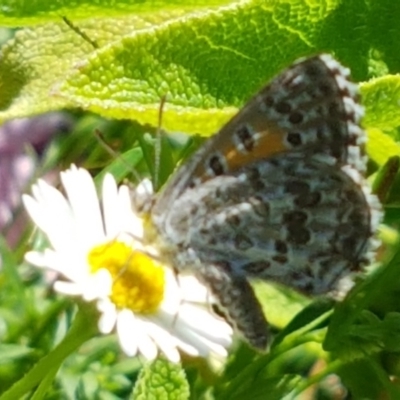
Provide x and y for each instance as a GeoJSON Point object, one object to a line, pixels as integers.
{"type": "Point", "coordinates": [207, 62]}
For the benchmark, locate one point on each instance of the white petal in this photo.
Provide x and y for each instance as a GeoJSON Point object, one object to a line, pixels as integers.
{"type": "Point", "coordinates": [52, 214]}
{"type": "Point", "coordinates": [69, 265]}
{"type": "Point", "coordinates": [164, 340]}
{"type": "Point", "coordinates": [193, 291]}
{"type": "Point", "coordinates": [205, 324]}
{"type": "Point", "coordinates": [69, 288]}
{"type": "Point", "coordinates": [127, 329]}
{"type": "Point", "coordinates": [34, 211]}
{"type": "Point", "coordinates": [133, 337]}
{"type": "Point", "coordinates": [131, 223]}
{"type": "Point", "coordinates": [108, 318]}
{"type": "Point", "coordinates": [146, 345]}
{"type": "Point", "coordinates": [211, 347]}
{"type": "Point", "coordinates": [145, 188]}
{"type": "Point", "coordinates": [190, 338]}
{"type": "Point", "coordinates": [111, 211]}
{"type": "Point", "coordinates": [49, 259]}
{"type": "Point", "coordinates": [37, 259]}
{"type": "Point", "coordinates": [174, 335]}
{"type": "Point", "coordinates": [105, 305]}
{"type": "Point", "coordinates": [187, 348]}
{"type": "Point", "coordinates": [82, 196]}
{"type": "Point", "coordinates": [173, 295]}
{"type": "Point", "coordinates": [199, 329]}
{"type": "Point", "coordinates": [203, 320]}
{"type": "Point", "coordinates": [97, 286]}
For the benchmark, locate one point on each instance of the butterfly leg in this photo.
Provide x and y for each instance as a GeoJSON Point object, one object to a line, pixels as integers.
{"type": "Point", "coordinates": [238, 301]}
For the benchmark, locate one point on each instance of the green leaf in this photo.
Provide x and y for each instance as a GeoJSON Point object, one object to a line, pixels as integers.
{"type": "Point", "coordinates": [354, 330]}
{"type": "Point", "coordinates": [279, 303]}
{"type": "Point", "coordinates": [10, 278]}
{"type": "Point", "coordinates": [38, 59]}
{"type": "Point", "coordinates": [187, 60]}
{"type": "Point", "coordinates": [208, 63]}
{"type": "Point", "coordinates": [12, 352]}
{"type": "Point", "coordinates": [381, 99]}
{"type": "Point", "coordinates": [385, 31]}
{"type": "Point", "coordinates": [19, 13]}
{"type": "Point", "coordinates": [310, 313]}
{"type": "Point", "coordinates": [391, 327]}
{"type": "Point", "coordinates": [83, 328]}
{"type": "Point", "coordinates": [381, 146]}
{"type": "Point", "coordinates": [122, 166]}
{"type": "Point", "coordinates": [161, 380]}
{"type": "Point", "coordinates": [154, 162]}
{"type": "Point", "coordinates": [367, 380]}
{"type": "Point", "coordinates": [275, 387]}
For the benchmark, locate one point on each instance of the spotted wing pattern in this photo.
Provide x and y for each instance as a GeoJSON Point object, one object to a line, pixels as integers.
{"type": "Point", "coordinates": [277, 194]}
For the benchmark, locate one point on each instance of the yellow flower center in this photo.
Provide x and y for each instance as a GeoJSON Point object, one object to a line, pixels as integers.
{"type": "Point", "coordinates": [138, 282]}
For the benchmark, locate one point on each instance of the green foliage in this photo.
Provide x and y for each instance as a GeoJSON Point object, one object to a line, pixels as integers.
{"type": "Point", "coordinates": [161, 380]}
{"type": "Point", "coordinates": [207, 58]}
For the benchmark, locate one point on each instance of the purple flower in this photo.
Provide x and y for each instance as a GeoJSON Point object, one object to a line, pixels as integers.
{"type": "Point", "coordinates": [17, 168]}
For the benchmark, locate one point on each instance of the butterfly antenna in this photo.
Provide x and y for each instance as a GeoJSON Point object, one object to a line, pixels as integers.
{"type": "Point", "coordinates": [79, 32]}
{"type": "Point", "coordinates": [157, 148]}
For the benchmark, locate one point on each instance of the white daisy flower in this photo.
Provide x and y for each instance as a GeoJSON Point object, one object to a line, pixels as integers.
{"type": "Point", "coordinates": [97, 248]}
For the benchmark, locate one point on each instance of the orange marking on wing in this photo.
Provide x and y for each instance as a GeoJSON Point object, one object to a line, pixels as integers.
{"type": "Point", "coordinates": [269, 144]}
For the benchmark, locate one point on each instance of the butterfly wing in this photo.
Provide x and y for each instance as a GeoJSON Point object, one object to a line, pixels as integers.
{"type": "Point", "coordinates": [311, 105]}
{"type": "Point", "coordinates": [292, 218]}
{"type": "Point", "coordinates": [278, 193]}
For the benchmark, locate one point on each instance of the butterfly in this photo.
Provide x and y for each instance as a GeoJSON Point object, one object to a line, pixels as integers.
{"type": "Point", "coordinates": [278, 194]}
